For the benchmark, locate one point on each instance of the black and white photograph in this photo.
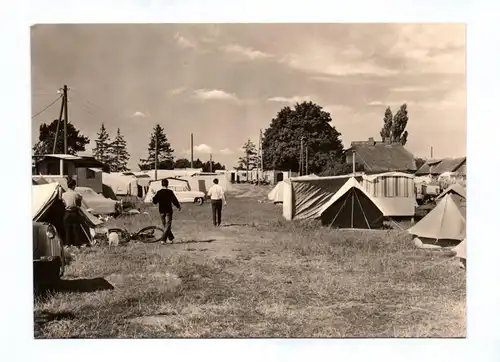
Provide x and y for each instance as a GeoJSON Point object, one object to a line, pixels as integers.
{"type": "Point", "coordinates": [249, 180]}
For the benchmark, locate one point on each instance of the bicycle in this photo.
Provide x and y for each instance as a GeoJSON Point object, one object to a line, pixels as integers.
{"type": "Point", "coordinates": [148, 235]}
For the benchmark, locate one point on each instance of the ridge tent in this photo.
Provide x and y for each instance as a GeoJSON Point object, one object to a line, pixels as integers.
{"type": "Point", "coordinates": [47, 206]}
{"type": "Point", "coordinates": [352, 207]}
{"type": "Point", "coordinates": [445, 225]}
{"type": "Point", "coordinates": [455, 189]}
{"type": "Point", "coordinates": [305, 196]}
{"type": "Point", "coordinates": [276, 194]}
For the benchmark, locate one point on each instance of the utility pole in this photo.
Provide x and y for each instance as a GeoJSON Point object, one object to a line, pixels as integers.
{"type": "Point", "coordinates": [259, 158]}
{"type": "Point", "coordinates": [192, 162]}
{"type": "Point", "coordinates": [261, 154]}
{"type": "Point", "coordinates": [307, 159]}
{"type": "Point", "coordinates": [156, 156]}
{"type": "Point", "coordinates": [210, 163]}
{"type": "Point", "coordinates": [431, 151]}
{"type": "Point", "coordinates": [65, 97]}
{"type": "Point", "coordinates": [301, 167]}
{"type": "Point", "coordinates": [58, 125]}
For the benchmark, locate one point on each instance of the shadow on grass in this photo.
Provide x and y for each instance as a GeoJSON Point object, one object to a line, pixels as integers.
{"type": "Point", "coordinates": [236, 224]}
{"type": "Point", "coordinates": [193, 241]}
{"type": "Point", "coordinates": [83, 285]}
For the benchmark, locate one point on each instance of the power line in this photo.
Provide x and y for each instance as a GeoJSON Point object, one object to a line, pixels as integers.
{"type": "Point", "coordinates": [50, 105]}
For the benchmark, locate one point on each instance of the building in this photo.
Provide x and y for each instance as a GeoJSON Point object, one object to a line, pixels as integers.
{"type": "Point", "coordinates": [85, 170]}
{"type": "Point", "coordinates": [380, 157]}
{"type": "Point", "coordinates": [445, 171]}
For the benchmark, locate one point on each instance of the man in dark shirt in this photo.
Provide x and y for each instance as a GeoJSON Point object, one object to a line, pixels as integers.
{"type": "Point", "coordinates": [165, 198]}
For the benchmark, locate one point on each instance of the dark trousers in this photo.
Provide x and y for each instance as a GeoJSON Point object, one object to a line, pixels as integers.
{"type": "Point", "coordinates": [71, 222]}
{"type": "Point", "coordinates": [216, 211]}
{"type": "Point", "coordinates": [166, 220]}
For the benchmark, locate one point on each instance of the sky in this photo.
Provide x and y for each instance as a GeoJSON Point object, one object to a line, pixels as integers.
{"type": "Point", "coordinates": [225, 82]}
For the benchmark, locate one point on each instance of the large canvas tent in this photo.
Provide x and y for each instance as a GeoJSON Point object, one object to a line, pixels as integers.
{"type": "Point", "coordinates": [47, 206]}
{"type": "Point", "coordinates": [393, 191]}
{"type": "Point", "coordinates": [304, 197]}
{"type": "Point", "coordinates": [351, 207]}
{"type": "Point", "coordinates": [445, 225]}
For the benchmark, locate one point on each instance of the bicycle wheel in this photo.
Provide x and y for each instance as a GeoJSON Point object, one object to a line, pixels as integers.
{"type": "Point", "coordinates": [149, 234]}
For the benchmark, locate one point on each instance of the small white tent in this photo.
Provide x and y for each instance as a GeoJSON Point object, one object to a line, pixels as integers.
{"type": "Point", "coordinates": [444, 225]}
{"type": "Point", "coordinates": [122, 185]}
{"type": "Point", "coordinates": [276, 194]}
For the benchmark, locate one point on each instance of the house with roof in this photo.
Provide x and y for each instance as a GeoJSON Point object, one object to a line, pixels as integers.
{"type": "Point", "coordinates": [85, 170]}
{"type": "Point", "coordinates": [380, 157]}
{"type": "Point", "coordinates": [445, 171]}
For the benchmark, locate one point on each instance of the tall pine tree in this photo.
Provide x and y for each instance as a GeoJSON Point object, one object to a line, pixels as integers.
{"type": "Point", "coordinates": [386, 131]}
{"type": "Point", "coordinates": [102, 149]}
{"type": "Point", "coordinates": [165, 157]}
{"type": "Point", "coordinates": [119, 154]}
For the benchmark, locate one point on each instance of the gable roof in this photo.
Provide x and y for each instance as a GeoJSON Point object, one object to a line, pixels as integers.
{"type": "Point", "coordinates": [380, 157]}
{"type": "Point", "coordinates": [439, 166]}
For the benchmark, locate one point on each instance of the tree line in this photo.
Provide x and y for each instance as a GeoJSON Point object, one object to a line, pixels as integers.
{"type": "Point", "coordinates": [305, 127]}
{"type": "Point", "coordinates": [113, 153]}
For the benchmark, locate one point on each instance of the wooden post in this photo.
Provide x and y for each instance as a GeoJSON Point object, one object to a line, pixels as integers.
{"type": "Point", "coordinates": [156, 156]}
{"type": "Point", "coordinates": [65, 95]}
{"type": "Point", "coordinates": [353, 162]}
{"type": "Point", "coordinates": [192, 162]}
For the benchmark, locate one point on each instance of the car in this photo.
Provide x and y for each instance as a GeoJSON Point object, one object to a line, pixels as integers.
{"type": "Point", "coordinates": [98, 204]}
{"type": "Point", "coordinates": [185, 195]}
{"type": "Point", "coordinates": [48, 256]}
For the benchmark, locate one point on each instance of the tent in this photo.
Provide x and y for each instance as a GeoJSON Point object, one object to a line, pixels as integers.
{"type": "Point", "coordinates": [455, 189]}
{"type": "Point", "coordinates": [208, 178]}
{"type": "Point", "coordinates": [276, 194]}
{"type": "Point", "coordinates": [47, 206]}
{"type": "Point", "coordinates": [305, 196]}
{"type": "Point", "coordinates": [393, 191]}
{"type": "Point", "coordinates": [173, 183]}
{"type": "Point", "coordinates": [443, 226]}
{"type": "Point", "coordinates": [351, 207]}
{"type": "Point", "coordinates": [460, 250]}
{"type": "Point", "coordinates": [121, 185]}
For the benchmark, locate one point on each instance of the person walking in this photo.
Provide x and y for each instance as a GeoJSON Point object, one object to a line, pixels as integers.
{"type": "Point", "coordinates": [216, 194]}
{"type": "Point", "coordinates": [165, 198]}
{"type": "Point", "coordinates": [72, 201]}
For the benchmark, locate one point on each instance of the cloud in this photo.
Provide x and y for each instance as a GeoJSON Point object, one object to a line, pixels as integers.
{"type": "Point", "coordinates": [139, 114]}
{"type": "Point", "coordinates": [376, 103]}
{"type": "Point", "coordinates": [177, 90]}
{"type": "Point", "coordinates": [290, 100]}
{"type": "Point", "coordinates": [226, 151]}
{"type": "Point", "coordinates": [183, 42]}
{"type": "Point", "coordinates": [203, 149]}
{"type": "Point", "coordinates": [246, 52]}
{"type": "Point", "coordinates": [409, 89]}
{"type": "Point", "coordinates": [215, 94]}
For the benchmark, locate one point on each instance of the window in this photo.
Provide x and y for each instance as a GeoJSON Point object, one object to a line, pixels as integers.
{"type": "Point", "coordinates": [90, 174]}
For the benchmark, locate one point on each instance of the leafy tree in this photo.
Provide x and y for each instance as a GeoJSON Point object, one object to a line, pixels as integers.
{"type": "Point", "coordinates": [341, 169]}
{"type": "Point", "coordinates": [394, 127]}
{"type": "Point", "coordinates": [281, 141]}
{"type": "Point", "coordinates": [399, 124]}
{"type": "Point", "coordinates": [215, 166]}
{"type": "Point", "coordinates": [102, 150]}
{"type": "Point", "coordinates": [386, 131]}
{"type": "Point", "coordinates": [182, 163]}
{"type": "Point", "coordinates": [47, 135]}
{"type": "Point", "coordinates": [165, 158]}
{"type": "Point", "coordinates": [197, 163]}
{"type": "Point", "coordinates": [119, 155]}
{"type": "Point", "coordinates": [419, 162]}
{"type": "Point", "coordinates": [250, 160]}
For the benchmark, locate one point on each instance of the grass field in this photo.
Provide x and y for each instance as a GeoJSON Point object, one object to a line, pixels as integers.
{"type": "Point", "coordinates": [257, 276]}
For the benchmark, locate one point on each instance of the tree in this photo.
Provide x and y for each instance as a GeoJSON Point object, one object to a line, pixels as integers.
{"type": "Point", "coordinates": [399, 124]}
{"type": "Point", "coordinates": [386, 131]}
{"type": "Point", "coordinates": [281, 141]}
{"type": "Point", "coordinates": [47, 135]}
{"type": "Point", "coordinates": [165, 158]}
{"type": "Point", "coordinates": [250, 160]}
{"type": "Point", "coordinates": [215, 166]}
{"type": "Point", "coordinates": [419, 162]}
{"type": "Point", "coordinates": [119, 155]}
{"type": "Point", "coordinates": [182, 163]}
{"type": "Point", "coordinates": [102, 150]}
{"type": "Point", "coordinates": [394, 127]}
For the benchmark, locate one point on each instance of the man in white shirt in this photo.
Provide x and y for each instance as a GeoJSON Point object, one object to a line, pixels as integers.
{"type": "Point", "coordinates": [216, 194]}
